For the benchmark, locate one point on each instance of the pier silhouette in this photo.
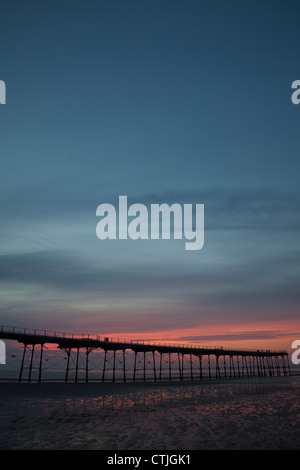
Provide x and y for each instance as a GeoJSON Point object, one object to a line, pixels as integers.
{"type": "Point", "coordinates": [150, 360]}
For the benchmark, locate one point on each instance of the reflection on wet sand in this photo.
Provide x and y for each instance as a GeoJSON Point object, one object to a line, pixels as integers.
{"type": "Point", "coordinates": [235, 414]}
{"type": "Point", "coordinates": [169, 395]}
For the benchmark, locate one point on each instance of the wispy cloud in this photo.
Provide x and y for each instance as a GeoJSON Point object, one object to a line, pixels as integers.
{"type": "Point", "coordinates": [240, 336]}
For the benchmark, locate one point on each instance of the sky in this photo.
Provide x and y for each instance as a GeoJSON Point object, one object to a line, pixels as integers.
{"type": "Point", "coordinates": [165, 101]}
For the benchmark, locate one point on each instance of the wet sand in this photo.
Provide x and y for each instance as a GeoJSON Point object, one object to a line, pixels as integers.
{"type": "Point", "coordinates": [258, 413]}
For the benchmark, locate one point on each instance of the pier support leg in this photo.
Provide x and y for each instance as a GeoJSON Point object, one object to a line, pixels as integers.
{"type": "Point", "coordinates": [218, 376]}
{"type": "Point", "coordinates": [288, 365]}
{"type": "Point", "coordinates": [114, 367]}
{"type": "Point", "coordinates": [104, 366]}
{"type": "Point", "coordinates": [124, 367]}
{"type": "Point", "coordinates": [277, 365]}
{"type": "Point", "coordinates": [200, 368]}
{"type": "Point", "coordinates": [68, 351]}
{"type": "Point", "coordinates": [87, 365]}
{"type": "Point", "coordinates": [180, 366]}
{"type": "Point", "coordinates": [88, 350]}
{"type": "Point", "coordinates": [134, 368]}
{"type": "Point", "coordinates": [76, 369]}
{"type": "Point", "coordinates": [41, 360]}
{"type": "Point", "coordinates": [31, 362]}
{"type": "Point", "coordinates": [224, 366]}
{"type": "Point", "coordinates": [250, 366]}
{"type": "Point", "coordinates": [232, 368]}
{"type": "Point", "coordinates": [263, 366]}
{"type": "Point", "coordinates": [271, 366]}
{"type": "Point", "coordinates": [22, 364]}
{"type": "Point", "coordinates": [160, 366]}
{"type": "Point", "coordinates": [238, 366]}
{"type": "Point", "coordinates": [246, 366]}
{"type": "Point", "coordinates": [154, 369]}
{"type": "Point", "coordinates": [257, 366]}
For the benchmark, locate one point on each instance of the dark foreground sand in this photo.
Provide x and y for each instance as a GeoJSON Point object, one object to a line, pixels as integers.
{"type": "Point", "coordinates": [261, 413]}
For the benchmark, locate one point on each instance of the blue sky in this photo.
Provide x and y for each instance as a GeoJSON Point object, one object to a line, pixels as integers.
{"type": "Point", "coordinates": [162, 101]}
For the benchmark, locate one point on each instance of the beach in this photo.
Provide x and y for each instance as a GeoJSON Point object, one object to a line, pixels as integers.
{"type": "Point", "coordinates": [247, 414]}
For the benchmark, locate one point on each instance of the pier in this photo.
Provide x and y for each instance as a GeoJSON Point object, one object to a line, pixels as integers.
{"type": "Point", "coordinates": [133, 360]}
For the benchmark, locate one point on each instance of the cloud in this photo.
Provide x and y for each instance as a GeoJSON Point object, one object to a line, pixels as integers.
{"type": "Point", "coordinates": [238, 285]}
{"type": "Point", "coordinates": [235, 207]}
{"type": "Point", "coordinates": [240, 336]}
{"type": "Point", "coordinates": [239, 273]}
